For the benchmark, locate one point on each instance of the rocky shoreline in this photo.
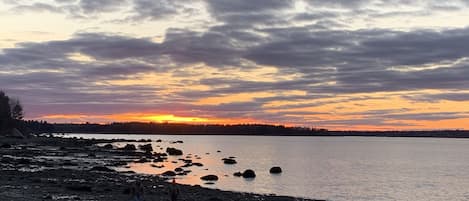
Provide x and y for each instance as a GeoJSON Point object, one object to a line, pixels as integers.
{"type": "Point", "coordinates": [55, 168]}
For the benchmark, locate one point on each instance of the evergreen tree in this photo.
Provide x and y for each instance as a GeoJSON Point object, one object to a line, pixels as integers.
{"type": "Point", "coordinates": [16, 110]}
{"type": "Point", "coordinates": [5, 112]}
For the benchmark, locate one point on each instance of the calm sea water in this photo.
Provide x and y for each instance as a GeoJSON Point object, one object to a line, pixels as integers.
{"type": "Point", "coordinates": [332, 168]}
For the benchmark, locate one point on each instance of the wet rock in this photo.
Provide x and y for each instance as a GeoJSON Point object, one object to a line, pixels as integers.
{"type": "Point", "coordinates": [129, 147]}
{"type": "Point", "coordinates": [249, 173]}
{"type": "Point", "coordinates": [169, 173]}
{"type": "Point", "coordinates": [229, 161]}
{"type": "Point", "coordinates": [102, 169]}
{"type": "Point", "coordinates": [24, 161]}
{"type": "Point", "coordinates": [146, 147]}
{"type": "Point", "coordinates": [142, 160]}
{"type": "Point", "coordinates": [69, 163]}
{"type": "Point", "coordinates": [214, 199]}
{"type": "Point", "coordinates": [237, 174]}
{"type": "Point", "coordinates": [108, 146]}
{"type": "Point", "coordinates": [173, 151]}
{"type": "Point", "coordinates": [156, 160]}
{"type": "Point", "coordinates": [118, 163]}
{"type": "Point", "coordinates": [82, 188]}
{"type": "Point", "coordinates": [275, 170]}
{"type": "Point", "coordinates": [209, 177]}
{"type": "Point", "coordinates": [157, 166]}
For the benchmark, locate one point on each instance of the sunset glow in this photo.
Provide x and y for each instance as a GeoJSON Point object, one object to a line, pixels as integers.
{"type": "Point", "coordinates": [346, 65]}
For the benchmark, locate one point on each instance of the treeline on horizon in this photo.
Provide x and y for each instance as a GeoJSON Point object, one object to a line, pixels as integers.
{"type": "Point", "coordinates": [180, 128]}
{"type": "Point", "coordinates": [240, 129]}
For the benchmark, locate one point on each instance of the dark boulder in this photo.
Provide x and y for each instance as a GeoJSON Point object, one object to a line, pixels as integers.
{"type": "Point", "coordinates": [249, 173]}
{"type": "Point", "coordinates": [237, 174]}
{"type": "Point", "coordinates": [81, 188]}
{"type": "Point", "coordinates": [169, 173]}
{"type": "Point", "coordinates": [24, 161]}
{"type": "Point", "coordinates": [173, 151]}
{"type": "Point", "coordinates": [215, 199]}
{"type": "Point", "coordinates": [129, 147]}
{"type": "Point", "coordinates": [275, 170]}
{"type": "Point", "coordinates": [146, 147]}
{"type": "Point", "coordinates": [5, 146]}
{"type": "Point", "coordinates": [156, 160]}
{"type": "Point", "coordinates": [210, 177]}
{"type": "Point", "coordinates": [108, 146]}
{"type": "Point", "coordinates": [229, 161]}
{"type": "Point", "coordinates": [102, 169]}
{"type": "Point", "coordinates": [198, 164]}
{"type": "Point", "coordinates": [142, 160]}
{"type": "Point", "coordinates": [178, 169]}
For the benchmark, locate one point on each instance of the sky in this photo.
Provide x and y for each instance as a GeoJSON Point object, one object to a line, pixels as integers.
{"type": "Point", "coordinates": [335, 64]}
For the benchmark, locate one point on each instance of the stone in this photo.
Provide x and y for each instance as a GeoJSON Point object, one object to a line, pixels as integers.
{"type": "Point", "coordinates": [209, 177]}
{"type": "Point", "coordinates": [249, 173]}
{"type": "Point", "coordinates": [146, 147]}
{"type": "Point", "coordinates": [173, 151]}
{"type": "Point", "coordinates": [275, 170]}
{"type": "Point", "coordinates": [169, 173]}
{"type": "Point", "coordinates": [229, 161]}
{"type": "Point", "coordinates": [129, 147]}
{"type": "Point", "coordinates": [102, 169]}
{"type": "Point", "coordinates": [108, 146]}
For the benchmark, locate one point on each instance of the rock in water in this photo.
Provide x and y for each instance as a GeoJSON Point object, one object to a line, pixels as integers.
{"type": "Point", "coordinates": [229, 161]}
{"type": "Point", "coordinates": [129, 147]}
{"type": "Point", "coordinates": [210, 177]}
{"type": "Point", "coordinates": [275, 170]}
{"type": "Point", "coordinates": [108, 146]}
{"type": "Point", "coordinates": [173, 151]}
{"type": "Point", "coordinates": [249, 173]}
{"type": "Point", "coordinates": [146, 148]}
{"type": "Point", "coordinates": [238, 174]}
{"type": "Point", "coordinates": [169, 173]}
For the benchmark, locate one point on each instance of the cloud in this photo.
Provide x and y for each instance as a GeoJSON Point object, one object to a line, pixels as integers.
{"type": "Point", "coordinates": [321, 49]}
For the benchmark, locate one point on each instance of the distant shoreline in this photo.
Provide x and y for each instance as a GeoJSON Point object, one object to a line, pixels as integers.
{"type": "Point", "coordinates": [412, 134]}
{"type": "Point", "coordinates": [220, 129]}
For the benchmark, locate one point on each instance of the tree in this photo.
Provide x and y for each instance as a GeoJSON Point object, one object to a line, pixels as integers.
{"type": "Point", "coordinates": [5, 112]}
{"type": "Point", "coordinates": [16, 109]}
